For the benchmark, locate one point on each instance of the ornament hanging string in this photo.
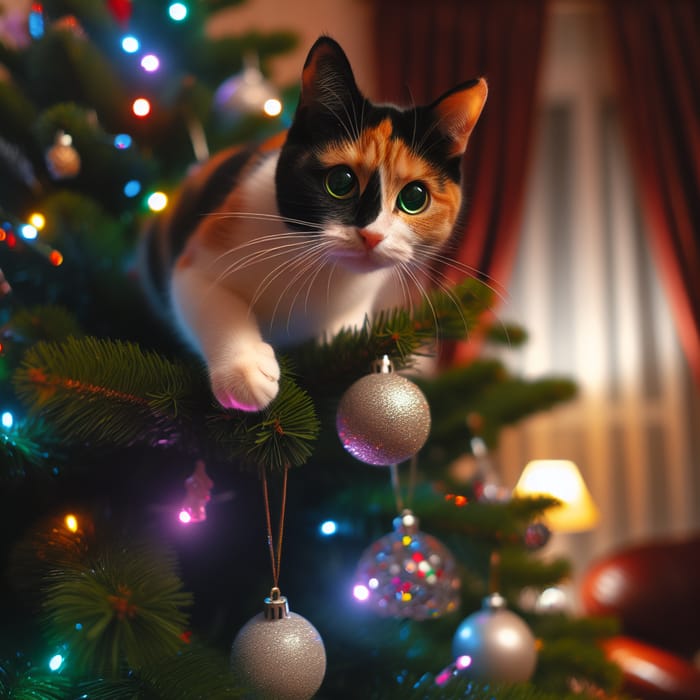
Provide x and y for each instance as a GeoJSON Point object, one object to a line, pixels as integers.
{"type": "Point", "coordinates": [275, 550]}
{"type": "Point", "coordinates": [396, 484]}
{"type": "Point", "coordinates": [495, 571]}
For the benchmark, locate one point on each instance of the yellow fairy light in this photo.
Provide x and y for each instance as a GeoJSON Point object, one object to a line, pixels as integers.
{"type": "Point", "coordinates": [37, 220]}
{"type": "Point", "coordinates": [272, 107]}
{"type": "Point", "coordinates": [157, 201]}
{"type": "Point", "coordinates": [71, 522]}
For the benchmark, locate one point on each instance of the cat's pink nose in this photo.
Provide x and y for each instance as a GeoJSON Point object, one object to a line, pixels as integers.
{"type": "Point", "coordinates": [370, 238]}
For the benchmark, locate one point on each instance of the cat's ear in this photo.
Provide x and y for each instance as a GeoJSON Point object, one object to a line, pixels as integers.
{"type": "Point", "coordinates": [327, 77]}
{"type": "Point", "coordinates": [457, 112]}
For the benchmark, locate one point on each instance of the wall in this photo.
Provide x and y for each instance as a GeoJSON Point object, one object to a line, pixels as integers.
{"type": "Point", "coordinates": [347, 21]}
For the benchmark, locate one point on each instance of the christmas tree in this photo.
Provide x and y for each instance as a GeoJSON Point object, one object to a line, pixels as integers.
{"type": "Point", "coordinates": [143, 524]}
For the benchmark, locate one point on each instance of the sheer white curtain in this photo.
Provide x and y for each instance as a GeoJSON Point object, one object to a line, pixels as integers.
{"type": "Point", "coordinates": [586, 289]}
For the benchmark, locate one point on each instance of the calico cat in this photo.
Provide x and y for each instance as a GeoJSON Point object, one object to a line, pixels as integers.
{"type": "Point", "coordinates": [296, 238]}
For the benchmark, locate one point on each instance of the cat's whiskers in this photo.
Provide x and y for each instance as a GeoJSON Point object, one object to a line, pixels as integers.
{"type": "Point", "coordinates": [256, 256]}
{"type": "Point", "coordinates": [318, 259]}
{"type": "Point", "coordinates": [263, 216]}
{"type": "Point", "coordinates": [308, 256]}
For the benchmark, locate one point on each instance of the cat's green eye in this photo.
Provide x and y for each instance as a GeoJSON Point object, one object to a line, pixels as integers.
{"type": "Point", "coordinates": [413, 198]}
{"type": "Point", "coordinates": [341, 182]}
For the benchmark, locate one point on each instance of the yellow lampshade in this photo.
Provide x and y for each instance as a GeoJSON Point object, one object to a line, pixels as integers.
{"type": "Point", "coordinates": [560, 479]}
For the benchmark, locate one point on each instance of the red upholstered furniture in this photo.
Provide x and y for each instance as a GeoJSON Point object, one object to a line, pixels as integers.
{"type": "Point", "coordinates": [654, 590]}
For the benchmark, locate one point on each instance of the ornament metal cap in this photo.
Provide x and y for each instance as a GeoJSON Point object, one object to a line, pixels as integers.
{"type": "Point", "coordinates": [276, 605]}
{"type": "Point", "coordinates": [382, 366]}
{"type": "Point", "coordinates": [494, 601]}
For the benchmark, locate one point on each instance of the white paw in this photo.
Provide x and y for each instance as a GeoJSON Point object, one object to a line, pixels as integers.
{"type": "Point", "coordinates": [248, 380]}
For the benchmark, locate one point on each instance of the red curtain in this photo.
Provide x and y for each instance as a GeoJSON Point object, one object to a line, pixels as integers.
{"type": "Point", "coordinates": [424, 49]}
{"type": "Point", "coordinates": [656, 50]}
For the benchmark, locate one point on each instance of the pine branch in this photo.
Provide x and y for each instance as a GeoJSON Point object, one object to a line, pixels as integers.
{"type": "Point", "coordinates": [25, 448]}
{"type": "Point", "coordinates": [31, 682]}
{"type": "Point", "coordinates": [128, 601]}
{"type": "Point", "coordinates": [400, 333]}
{"type": "Point", "coordinates": [282, 435]}
{"type": "Point", "coordinates": [106, 392]}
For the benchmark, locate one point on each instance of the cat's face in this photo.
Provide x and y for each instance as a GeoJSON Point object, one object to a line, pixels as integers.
{"type": "Point", "coordinates": [380, 185]}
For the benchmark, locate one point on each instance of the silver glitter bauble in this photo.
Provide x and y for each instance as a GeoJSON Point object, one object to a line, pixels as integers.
{"type": "Point", "coordinates": [408, 574]}
{"type": "Point", "coordinates": [279, 655]}
{"type": "Point", "coordinates": [383, 419]}
{"type": "Point", "coordinates": [494, 644]}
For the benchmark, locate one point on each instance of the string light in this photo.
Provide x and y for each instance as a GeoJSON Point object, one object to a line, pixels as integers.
{"type": "Point", "coordinates": [272, 107]}
{"type": "Point", "coordinates": [150, 63]}
{"type": "Point", "coordinates": [28, 232]}
{"type": "Point", "coordinates": [55, 258]}
{"type": "Point", "coordinates": [37, 220]}
{"type": "Point", "coordinates": [35, 20]}
{"type": "Point", "coordinates": [132, 188]}
{"type": "Point", "coordinates": [71, 522]}
{"type": "Point", "coordinates": [328, 528]}
{"type": "Point", "coordinates": [122, 141]}
{"type": "Point", "coordinates": [157, 201]}
{"type": "Point", "coordinates": [130, 44]}
{"type": "Point", "coordinates": [55, 662]}
{"type": "Point", "coordinates": [141, 107]}
{"type": "Point", "coordinates": [177, 11]}
{"type": "Point", "coordinates": [7, 420]}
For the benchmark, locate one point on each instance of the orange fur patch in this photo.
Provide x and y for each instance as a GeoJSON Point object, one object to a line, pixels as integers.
{"type": "Point", "coordinates": [399, 165]}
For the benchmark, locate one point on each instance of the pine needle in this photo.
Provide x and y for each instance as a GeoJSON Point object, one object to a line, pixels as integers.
{"type": "Point", "coordinates": [282, 435]}
{"type": "Point", "coordinates": [122, 605]}
{"type": "Point", "coordinates": [105, 392]}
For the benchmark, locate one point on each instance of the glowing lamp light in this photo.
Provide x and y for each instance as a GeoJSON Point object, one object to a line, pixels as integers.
{"type": "Point", "coordinates": [55, 662]}
{"type": "Point", "coordinates": [141, 107]}
{"type": "Point", "coordinates": [150, 63]}
{"type": "Point", "coordinates": [7, 420]}
{"type": "Point", "coordinates": [360, 592]}
{"type": "Point", "coordinates": [328, 528]}
{"type": "Point", "coordinates": [272, 107]}
{"type": "Point", "coordinates": [130, 44]}
{"type": "Point", "coordinates": [157, 201]}
{"type": "Point", "coordinates": [177, 11]}
{"type": "Point", "coordinates": [28, 232]}
{"type": "Point", "coordinates": [560, 479]}
{"type": "Point", "coordinates": [71, 522]}
{"type": "Point", "coordinates": [132, 188]}
{"type": "Point", "coordinates": [184, 517]}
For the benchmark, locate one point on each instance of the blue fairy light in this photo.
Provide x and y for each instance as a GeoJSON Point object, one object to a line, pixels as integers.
{"type": "Point", "coordinates": [7, 419]}
{"type": "Point", "coordinates": [328, 528]}
{"type": "Point", "coordinates": [55, 662]}
{"type": "Point", "coordinates": [132, 188]}
{"type": "Point", "coordinates": [122, 141]}
{"type": "Point", "coordinates": [177, 11]}
{"type": "Point", "coordinates": [130, 44]}
{"type": "Point", "coordinates": [28, 232]}
{"type": "Point", "coordinates": [35, 22]}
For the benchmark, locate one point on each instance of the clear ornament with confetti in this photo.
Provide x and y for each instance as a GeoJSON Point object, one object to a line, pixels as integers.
{"type": "Point", "coordinates": [408, 574]}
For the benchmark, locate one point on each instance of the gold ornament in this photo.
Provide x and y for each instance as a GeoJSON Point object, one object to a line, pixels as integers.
{"type": "Point", "coordinates": [62, 159]}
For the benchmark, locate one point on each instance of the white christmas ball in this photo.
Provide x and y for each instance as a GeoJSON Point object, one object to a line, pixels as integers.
{"type": "Point", "coordinates": [494, 644]}
{"type": "Point", "coordinates": [383, 419]}
{"type": "Point", "coordinates": [279, 659]}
